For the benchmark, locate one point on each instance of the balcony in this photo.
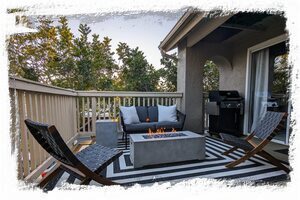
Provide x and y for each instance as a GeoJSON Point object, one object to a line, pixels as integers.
{"type": "Point", "coordinates": [75, 113]}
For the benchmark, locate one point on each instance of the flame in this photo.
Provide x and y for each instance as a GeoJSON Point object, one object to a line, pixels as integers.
{"type": "Point", "coordinates": [159, 131]}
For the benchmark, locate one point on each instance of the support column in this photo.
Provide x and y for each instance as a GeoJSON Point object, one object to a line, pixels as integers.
{"type": "Point", "coordinates": [190, 83]}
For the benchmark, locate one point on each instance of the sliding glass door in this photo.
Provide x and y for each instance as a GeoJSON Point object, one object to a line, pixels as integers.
{"type": "Point", "coordinates": [268, 86]}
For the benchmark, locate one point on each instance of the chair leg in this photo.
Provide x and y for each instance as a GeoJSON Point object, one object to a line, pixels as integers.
{"type": "Point", "coordinates": [226, 153]}
{"type": "Point", "coordinates": [49, 177]}
{"type": "Point", "coordinates": [273, 160]}
{"type": "Point", "coordinates": [99, 179]}
{"type": "Point", "coordinates": [240, 160]}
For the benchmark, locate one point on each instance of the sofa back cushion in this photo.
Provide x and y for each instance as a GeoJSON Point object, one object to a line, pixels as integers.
{"type": "Point", "coordinates": [130, 115]}
{"type": "Point", "coordinates": [142, 112]}
{"type": "Point", "coordinates": [167, 113]}
{"type": "Point", "coordinates": [153, 113]}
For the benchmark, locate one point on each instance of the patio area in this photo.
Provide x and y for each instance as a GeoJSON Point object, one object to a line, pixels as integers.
{"type": "Point", "coordinates": [68, 113]}
{"type": "Point", "coordinates": [254, 171]}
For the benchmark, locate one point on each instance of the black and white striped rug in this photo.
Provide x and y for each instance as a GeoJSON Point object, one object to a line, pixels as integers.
{"type": "Point", "coordinates": [256, 169]}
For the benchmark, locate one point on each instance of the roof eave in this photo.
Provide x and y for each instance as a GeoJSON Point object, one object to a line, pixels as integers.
{"type": "Point", "coordinates": [179, 26]}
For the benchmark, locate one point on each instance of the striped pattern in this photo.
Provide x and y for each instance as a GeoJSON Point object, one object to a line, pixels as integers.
{"type": "Point", "coordinates": [256, 169]}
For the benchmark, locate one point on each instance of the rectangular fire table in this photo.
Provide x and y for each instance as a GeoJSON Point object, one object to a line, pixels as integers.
{"type": "Point", "coordinates": [168, 147]}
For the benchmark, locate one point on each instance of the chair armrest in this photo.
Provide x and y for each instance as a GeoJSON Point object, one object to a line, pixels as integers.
{"type": "Point", "coordinates": [181, 118]}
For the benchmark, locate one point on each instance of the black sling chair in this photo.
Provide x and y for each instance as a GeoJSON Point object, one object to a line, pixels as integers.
{"type": "Point", "coordinates": [267, 128]}
{"type": "Point", "coordinates": [85, 165]}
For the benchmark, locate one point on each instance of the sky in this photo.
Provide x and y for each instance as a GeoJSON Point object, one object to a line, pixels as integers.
{"type": "Point", "coordinates": [145, 31]}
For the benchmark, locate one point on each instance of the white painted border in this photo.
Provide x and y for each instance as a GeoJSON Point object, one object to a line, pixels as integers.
{"type": "Point", "coordinates": [250, 51]}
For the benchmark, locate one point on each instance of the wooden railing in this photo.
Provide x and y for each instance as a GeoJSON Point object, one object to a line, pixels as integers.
{"type": "Point", "coordinates": [43, 103]}
{"type": "Point", "coordinates": [74, 113]}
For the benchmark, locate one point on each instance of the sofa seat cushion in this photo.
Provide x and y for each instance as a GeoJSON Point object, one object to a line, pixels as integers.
{"type": "Point", "coordinates": [142, 112]}
{"type": "Point", "coordinates": [169, 125]}
{"type": "Point", "coordinates": [140, 127]}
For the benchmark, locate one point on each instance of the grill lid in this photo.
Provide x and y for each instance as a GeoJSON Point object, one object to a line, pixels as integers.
{"type": "Point", "coordinates": [224, 95]}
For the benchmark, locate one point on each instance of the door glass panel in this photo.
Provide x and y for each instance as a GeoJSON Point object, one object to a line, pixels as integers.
{"type": "Point", "coordinates": [269, 83]}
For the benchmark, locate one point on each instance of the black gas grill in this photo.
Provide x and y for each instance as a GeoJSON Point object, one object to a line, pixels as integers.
{"type": "Point", "coordinates": [225, 109]}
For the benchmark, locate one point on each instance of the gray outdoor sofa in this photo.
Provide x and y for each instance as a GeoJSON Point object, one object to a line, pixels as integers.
{"type": "Point", "coordinates": [148, 116]}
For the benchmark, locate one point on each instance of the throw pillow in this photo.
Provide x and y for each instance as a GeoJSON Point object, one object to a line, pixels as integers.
{"type": "Point", "coordinates": [167, 113]}
{"type": "Point", "coordinates": [130, 115]}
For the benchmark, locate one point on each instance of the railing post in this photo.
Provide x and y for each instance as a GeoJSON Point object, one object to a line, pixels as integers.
{"type": "Point", "coordinates": [93, 114]}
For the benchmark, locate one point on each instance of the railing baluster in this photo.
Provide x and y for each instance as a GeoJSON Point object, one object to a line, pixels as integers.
{"type": "Point", "coordinates": [129, 101]}
{"type": "Point", "coordinates": [78, 114]}
{"type": "Point", "coordinates": [93, 114]}
{"type": "Point", "coordinates": [83, 115]}
{"type": "Point", "coordinates": [109, 107]}
{"type": "Point", "coordinates": [99, 108]}
{"type": "Point", "coordinates": [42, 113]}
{"type": "Point", "coordinates": [104, 108]}
{"type": "Point", "coordinates": [23, 133]}
{"type": "Point", "coordinates": [31, 142]}
{"type": "Point", "coordinates": [115, 109]}
{"type": "Point", "coordinates": [88, 114]}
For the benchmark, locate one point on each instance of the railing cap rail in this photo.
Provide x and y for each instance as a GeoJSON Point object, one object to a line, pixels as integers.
{"type": "Point", "coordinates": [128, 94]}
{"type": "Point", "coordinates": [33, 86]}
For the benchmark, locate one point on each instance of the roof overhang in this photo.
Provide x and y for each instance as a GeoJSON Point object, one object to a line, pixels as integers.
{"type": "Point", "coordinates": [195, 26]}
{"type": "Point", "coordinates": [184, 25]}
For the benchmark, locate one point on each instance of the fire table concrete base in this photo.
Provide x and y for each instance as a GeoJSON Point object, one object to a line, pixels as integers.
{"type": "Point", "coordinates": [150, 151]}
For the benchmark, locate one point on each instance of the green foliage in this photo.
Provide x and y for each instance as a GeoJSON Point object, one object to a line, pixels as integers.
{"type": "Point", "coordinates": [210, 76]}
{"type": "Point", "coordinates": [65, 72]}
{"type": "Point", "coordinates": [281, 75]}
{"type": "Point", "coordinates": [136, 74]}
{"type": "Point", "coordinates": [168, 73]}
{"type": "Point", "coordinates": [83, 60]}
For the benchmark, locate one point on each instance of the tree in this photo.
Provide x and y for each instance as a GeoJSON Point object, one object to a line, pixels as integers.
{"type": "Point", "coordinates": [33, 55]}
{"type": "Point", "coordinates": [210, 76]}
{"type": "Point", "coordinates": [103, 65]}
{"type": "Point", "coordinates": [168, 73]}
{"type": "Point", "coordinates": [45, 53]}
{"type": "Point", "coordinates": [82, 54]}
{"type": "Point", "coordinates": [281, 75]}
{"type": "Point", "coordinates": [66, 70]}
{"type": "Point", "coordinates": [136, 74]}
